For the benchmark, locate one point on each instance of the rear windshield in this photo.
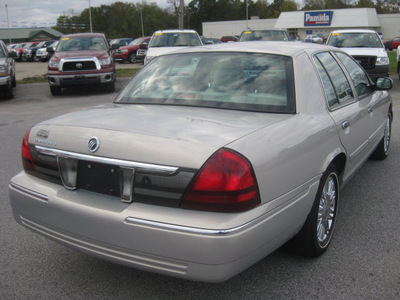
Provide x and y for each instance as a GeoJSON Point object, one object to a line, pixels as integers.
{"type": "Point", "coordinates": [175, 39]}
{"type": "Point", "coordinates": [355, 40]}
{"type": "Point", "coordinates": [243, 81]}
{"type": "Point", "coordinates": [81, 43]}
{"type": "Point", "coordinates": [264, 35]}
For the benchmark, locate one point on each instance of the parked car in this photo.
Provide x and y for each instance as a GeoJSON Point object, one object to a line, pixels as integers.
{"type": "Point", "coordinates": [208, 160]}
{"type": "Point", "coordinates": [229, 38]}
{"type": "Point", "coordinates": [209, 41]}
{"type": "Point", "coordinates": [165, 41]}
{"type": "Point", "coordinates": [142, 51]}
{"type": "Point", "coordinates": [366, 47]}
{"type": "Point", "coordinates": [7, 71]}
{"type": "Point", "coordinates": [30, 54]}
{"type": "Point", "coordinates": [398, 61]}
{"type": "Point", "coordinates": [264, 35]}
{"type": "Point", "coordinates": [392, 44]}
{"type": "Point", "coordinates": [26, 52]}
{"type": "Point", "coordinates": [128, 53]}
{"type": "Point", "coordinates": [81, 59]}
{"type": "Point", "coordinates": [18, 49]}
{"type": "Point", "coordinates": [121, 41]}
{"type": "Point", "coordinates": [43, 55]}
{"type": "Point", "coordinates": [314, 39]}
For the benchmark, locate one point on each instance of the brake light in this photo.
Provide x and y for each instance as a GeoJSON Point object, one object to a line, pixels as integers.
{"type": "Point", "coordinates": [225, 183]}
{"type": "Point", "coordinates": [26, 153]}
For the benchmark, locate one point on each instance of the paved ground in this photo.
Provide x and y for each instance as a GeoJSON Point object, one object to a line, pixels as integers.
{"type": "Point", "coordinates": [30, 69]}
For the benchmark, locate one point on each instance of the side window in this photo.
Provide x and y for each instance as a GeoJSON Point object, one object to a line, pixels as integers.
{"type": "Point", "coordinates": [328, 87]}
{"type": "Point", "coordinates": [336, 74]}
{"type": "Point", "coordinates": [357, 74]}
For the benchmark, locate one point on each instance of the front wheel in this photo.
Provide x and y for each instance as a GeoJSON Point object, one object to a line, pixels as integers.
{"type": "Point", "coordinates": [132, 57]}
{"type": "Point", "coordinates": [382, 150]}
{"type": "Point", "coordinates": [55, 90]}
{"type": "Point", "coordinates": [316, 234]}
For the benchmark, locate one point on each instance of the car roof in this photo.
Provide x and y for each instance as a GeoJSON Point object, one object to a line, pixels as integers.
{"type": "Point", "coordinates": [83, 34]}
{"type": "Point", "coordinates": [271, 47]}
{"type": "Point", "coordinates": [353, 31]}
{"type": "Point", "coordinates": [175, 31]}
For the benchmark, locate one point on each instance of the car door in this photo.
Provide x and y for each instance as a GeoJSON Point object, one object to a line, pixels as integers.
{"type": "Point", "coordinates": [350, 115]}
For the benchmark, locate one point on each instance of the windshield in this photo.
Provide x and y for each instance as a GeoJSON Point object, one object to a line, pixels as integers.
{"type": "Point", "coordinates": [355, 40]}
{"type": "Point", "coordinates": [244, 81]}
{"type": "Point", "coordinates": [137, 42]}
{"type": "Point", "coordinates": [82, 43]}
{"type": "Point", "coordinates": [264, 35]}
{"type": "Point", "coordinates": [175, 39]}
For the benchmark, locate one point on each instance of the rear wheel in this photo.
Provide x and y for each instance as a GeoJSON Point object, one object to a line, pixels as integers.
{"type": "Point", "coordinates": [382, 150]}
{"type": "Point", "coordinates": [316, 234]}
{"type": "Point", "coordinates": [35, 58]}
{"type": "Point", "coordinates": [132, 57]}
{"type": "Point", "coordinates": [55, 90]}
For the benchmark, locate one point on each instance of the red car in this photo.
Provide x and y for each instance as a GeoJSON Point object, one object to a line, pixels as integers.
{"type": "Point", "coordinates": [128, 53]}
{"type": "Point", "coordinates": [393, 44]}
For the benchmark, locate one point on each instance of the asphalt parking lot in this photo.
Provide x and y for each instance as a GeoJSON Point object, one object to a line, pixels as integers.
{"type": "Point", "coordinates": [363, 261]}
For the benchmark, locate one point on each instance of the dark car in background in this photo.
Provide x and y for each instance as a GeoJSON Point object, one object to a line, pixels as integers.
{"type": "Point", "coordinates": [121, 41]}
{"type": "Point", "coordinates": [392, 44]}
{"type": "Point", "coordinates": [30, 53]}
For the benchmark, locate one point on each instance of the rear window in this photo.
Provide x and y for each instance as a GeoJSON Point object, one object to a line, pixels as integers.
{"type": "Point", "coordinates": [243, 81]}
{"type": "Point", "coordinates": [264, 35]}
{"type": "Point", "coordinates": [355, 40]}
{"type": "Point", "coordinates": [175, 39]}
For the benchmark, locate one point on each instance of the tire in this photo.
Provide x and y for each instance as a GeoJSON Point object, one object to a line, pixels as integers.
{"type": "Point", "coordinates": [24, 59]}
{"type": "Point", "coordinates": [9, 93]}
{"type": "Point", "coordinates": [35, 58]}
{"type": "Point", "coordinates": [382, 150]}
{"type": "Point", "coordinates": [110, 87]}
{"type": "Point", "coordinates": [55, 90]}
{"type": "Point", "coordinates": [14, 81]}
{"type": "Point", "coordinates": [315, 236]}
{"type": "Point", "coordinates": [132, 57]}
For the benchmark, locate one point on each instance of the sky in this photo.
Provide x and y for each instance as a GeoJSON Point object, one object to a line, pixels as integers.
{"type": "Point", "coordinates": [44, 13]}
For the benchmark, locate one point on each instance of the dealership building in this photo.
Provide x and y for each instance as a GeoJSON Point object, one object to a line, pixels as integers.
{"type": "Point", "coordinates": [318, 22]}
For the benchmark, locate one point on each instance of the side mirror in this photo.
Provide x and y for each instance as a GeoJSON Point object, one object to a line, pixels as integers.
{"type": "Point", "coordinates": [114, 46]}
{"type": "Point", "coordinates": [143, 46]}
{"type": "Point", "coordinates": [383, 83]}
{"type": "Point", "coordinates": [50, 50]}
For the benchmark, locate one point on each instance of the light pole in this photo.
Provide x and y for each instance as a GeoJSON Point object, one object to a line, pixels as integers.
{"type": "Point", "coordinates": [8, 23]}
{"type": "Point", "coordinates": [247, 14]}
{"type": "Point", "coordinates": [90, 17]}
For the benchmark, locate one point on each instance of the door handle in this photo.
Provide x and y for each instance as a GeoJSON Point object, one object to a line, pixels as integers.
{"type": "Point", "coordinates": [370, 109]}
{"type": "Point", "coordinates": [345, 124]}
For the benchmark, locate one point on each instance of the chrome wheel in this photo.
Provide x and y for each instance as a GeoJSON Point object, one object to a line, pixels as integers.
{"type": "Point", "coordinates": [386, 137]}
{"type": "Point", "coordinates": [327, 211]}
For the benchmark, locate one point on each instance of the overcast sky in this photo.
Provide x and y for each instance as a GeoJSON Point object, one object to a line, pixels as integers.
{"type": "Point", "coordinates": [22, 13]}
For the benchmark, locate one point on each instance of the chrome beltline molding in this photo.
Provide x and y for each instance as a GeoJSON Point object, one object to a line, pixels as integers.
{"type": "Point", "coordinates": [105, 160]}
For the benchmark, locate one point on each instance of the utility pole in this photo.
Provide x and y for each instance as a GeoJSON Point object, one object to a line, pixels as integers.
{"type": "Point", "coordinates": [8, 22]}
{"type": "Point", "coordinates": [180, 14]}
{"type": "Point", "coordinates": [90, 17]}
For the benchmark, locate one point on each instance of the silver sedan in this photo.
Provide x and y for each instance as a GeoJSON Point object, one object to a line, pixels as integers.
{"type": "Point", "coordinates": [208, 160]}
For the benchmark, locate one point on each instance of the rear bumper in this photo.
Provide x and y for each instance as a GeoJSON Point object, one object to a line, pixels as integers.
{"type": "Point", "coordinates": [152, 238]}
{"type": "Point", "coordinates": [77, 79]}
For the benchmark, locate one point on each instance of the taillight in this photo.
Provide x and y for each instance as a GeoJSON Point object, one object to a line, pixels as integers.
{"type": "Point", "coordinates": [26, 153]}
{"type": "Point", "coordinates": [225, 183]}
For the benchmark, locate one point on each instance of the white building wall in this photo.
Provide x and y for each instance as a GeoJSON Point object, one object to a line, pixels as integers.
{"type": "Point", "coordinates": [366, 18]}
{"type": "Point", "coordinates": [390, 25]}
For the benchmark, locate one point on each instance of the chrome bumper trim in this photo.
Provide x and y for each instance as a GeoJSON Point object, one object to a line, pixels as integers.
{"type": "Point", "coordinates": [38, 196]}
{"type": "Point", "coordinates": [186, 229]}
{"type": "Point", "coordinates": [110, 161]}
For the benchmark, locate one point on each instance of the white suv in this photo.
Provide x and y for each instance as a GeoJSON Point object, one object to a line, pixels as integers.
{"type": "Point", "coordinates": [366, 47]}
{"type": "Point", "coordinates": [165, 41]}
